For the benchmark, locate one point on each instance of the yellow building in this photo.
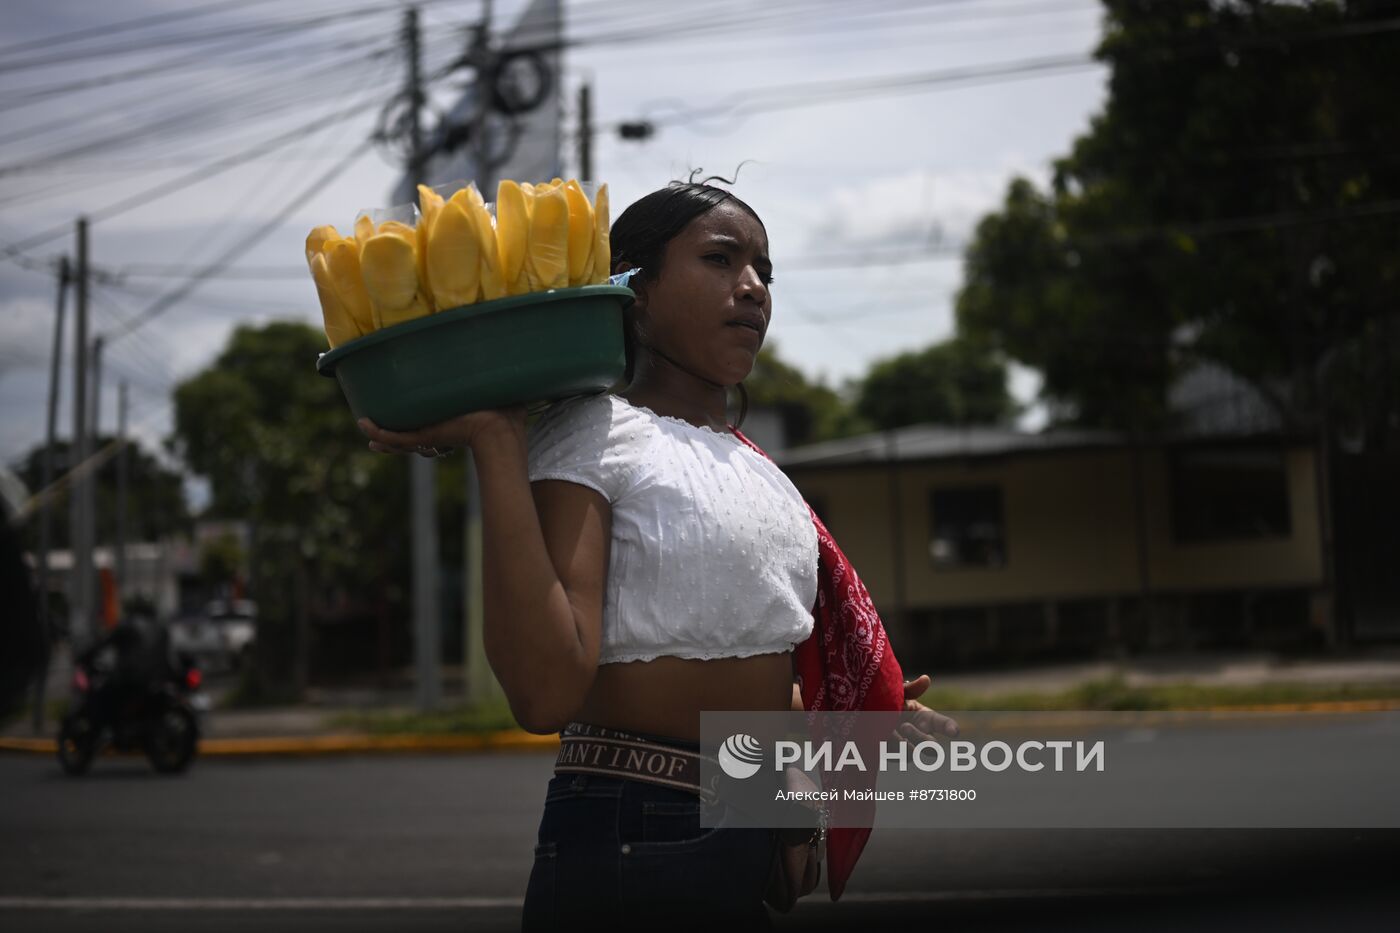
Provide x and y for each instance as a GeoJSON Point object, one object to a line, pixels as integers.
{"type": "Point", "coordinates": [993, 543]}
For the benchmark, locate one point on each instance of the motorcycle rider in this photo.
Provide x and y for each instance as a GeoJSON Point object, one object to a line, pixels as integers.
{"type": "Point", "coordinates": [136, 654]}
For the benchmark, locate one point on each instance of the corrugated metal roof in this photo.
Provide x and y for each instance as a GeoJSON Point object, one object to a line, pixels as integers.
{"type": "Point", "coordinates": [936, 442]}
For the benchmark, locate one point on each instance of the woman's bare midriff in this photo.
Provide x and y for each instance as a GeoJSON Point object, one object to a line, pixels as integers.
{"type": "Point", "coordinates": [665, 696]}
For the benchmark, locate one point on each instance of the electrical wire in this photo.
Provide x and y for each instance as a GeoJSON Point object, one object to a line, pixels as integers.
{"type": "Point", "coordinates": [142, 360]}
{"type": "Point", "coordinates": [179, 271]}
{"type": "Point", "coordinates": [203, 173]}
{"type": "Point", "coordinates": [216, 303]}
{"type": "Point", "coordinates": [140, 22]}
{"type": "Point", "coordinates": [201, 113]}
{"type": "Point", "coordinates": [274, 186]}
{"type": "Point", "coordinates": [246, 31]}
{"type": "Point", "coordinates": [200, 60]}
{"type": "Point", "coordinates": [230, 255]}
{"type": "Point", "coordinates": [94, 461]}
{"type": "Point", "coordinates": [813, 94]}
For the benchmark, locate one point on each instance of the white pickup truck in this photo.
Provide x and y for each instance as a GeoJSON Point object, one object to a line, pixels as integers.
{"type": "Point", "coordinates": [222, 637]}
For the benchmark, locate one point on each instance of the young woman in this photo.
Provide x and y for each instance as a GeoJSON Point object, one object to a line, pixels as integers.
{"type": "Point", "coordinates": [642, 563]}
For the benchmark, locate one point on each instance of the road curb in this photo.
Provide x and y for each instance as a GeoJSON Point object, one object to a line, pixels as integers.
{"type": "Point", "coordinates": [324, 745]}
{"type": "Point", "coordinates": [518, 739]}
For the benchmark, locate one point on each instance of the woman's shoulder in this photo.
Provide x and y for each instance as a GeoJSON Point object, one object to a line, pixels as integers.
{"type": "Point", "coordinates": [601, 416]}
{"type": "Point", "coordinates": [590, 440]}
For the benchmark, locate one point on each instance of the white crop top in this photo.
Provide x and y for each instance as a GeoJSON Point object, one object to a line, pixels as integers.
{"type": "Point", "coordinates": [714, 553]}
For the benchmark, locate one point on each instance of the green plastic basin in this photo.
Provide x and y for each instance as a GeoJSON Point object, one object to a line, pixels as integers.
{"type": "Point", "coordinates": [517, 350]}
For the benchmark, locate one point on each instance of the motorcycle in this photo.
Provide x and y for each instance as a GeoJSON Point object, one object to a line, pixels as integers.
{"type": "Point", "coordinates": [158, 716]}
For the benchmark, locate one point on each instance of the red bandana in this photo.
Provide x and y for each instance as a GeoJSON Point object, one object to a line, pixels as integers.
{"type": "Point", "coordinates": [847, 664]}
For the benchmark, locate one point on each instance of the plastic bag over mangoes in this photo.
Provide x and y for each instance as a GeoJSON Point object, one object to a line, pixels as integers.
{"type": "Point", "coordinates": [458, 251]}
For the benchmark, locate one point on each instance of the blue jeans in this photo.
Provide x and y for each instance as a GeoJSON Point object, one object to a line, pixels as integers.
{"type": "Point", "coordinates": [627, 854]}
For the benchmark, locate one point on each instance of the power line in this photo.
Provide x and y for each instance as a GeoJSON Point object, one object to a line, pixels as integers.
{"type": "Point", "coordinates": [29, 96]}
{"type": "Point", "coordinates": [857, 260]}
{"type": "Point", "coordinates": [333, 141]}
{"type": "Point", "coordinates": [177, 271]}
{"type": "Point", "coordinates": [1223, 226]}
{"type": "Point", "coordinates": [140, 22]}
{"type": "Point", "coordinates": [147, 361]}
{"type": "Point", "coordinates": [93, 462]}
{"type": "Point", "coordinates": [196, 176]}
{"type": "Point", "coordinates": [247, 30]}
{"type": "Point", "coordinates": [933, 253]}
{"type": "Point", "coordinates": [233, 307]}
{"type": "Point", "coordinates": [230, 255]}
{"type": "Point", "coordinates": [142, 133]}
{"type": "Point", "coordinates": [756, 25]}
{"type": "Point", "coordinates": [812, 94]}
{"type": "Point", "coordinates": [200, 113]}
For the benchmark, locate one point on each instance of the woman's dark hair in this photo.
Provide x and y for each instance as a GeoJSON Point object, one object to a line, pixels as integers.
{"type": "Point", "coordinates": [640, 234]}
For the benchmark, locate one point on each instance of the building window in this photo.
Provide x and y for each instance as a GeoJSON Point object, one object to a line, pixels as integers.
{"type": "Point", "coordinates": [1223, 495]}
{"type": "Point", "coordinates": [968, 529]}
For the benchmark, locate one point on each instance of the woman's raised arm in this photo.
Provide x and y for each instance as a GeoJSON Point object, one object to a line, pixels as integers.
{"type": "Point", "coordinates": [544, 566]}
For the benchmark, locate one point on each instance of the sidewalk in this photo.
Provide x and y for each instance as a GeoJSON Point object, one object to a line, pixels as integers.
{"type": "Point", "coordinates": [310, 730]}
{"type": "Point", "coordinates": [1377, 665]}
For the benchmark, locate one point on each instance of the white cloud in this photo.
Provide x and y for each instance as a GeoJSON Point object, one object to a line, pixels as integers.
{"type": "Point", "coordinates": [920, 207]}
{"type": "Point", "coordinates": [26, 333]}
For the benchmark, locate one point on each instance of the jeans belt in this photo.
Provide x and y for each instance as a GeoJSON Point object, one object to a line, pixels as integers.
{"type": "Point", "coordinates": [588, 749]}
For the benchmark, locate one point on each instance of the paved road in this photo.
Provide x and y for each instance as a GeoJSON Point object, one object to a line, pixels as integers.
{"type": "Point", "coordinates": [439, 843]}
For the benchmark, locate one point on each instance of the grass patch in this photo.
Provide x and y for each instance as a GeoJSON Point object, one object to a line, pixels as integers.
{"type": "Point", "coordinates": [54, 710]}
{"type": "Point", "coordinates": [255, 690]}
{"type": "Point", "coordinates": [488, 717]}
{"type": "Point", "coordinates": [1114, 694]}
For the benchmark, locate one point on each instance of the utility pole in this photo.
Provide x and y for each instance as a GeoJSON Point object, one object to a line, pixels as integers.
{"type": "Point", "coordinates": [95, 403]}
{"type": "Point", "coordinates": [80, 593]}
{"type": "Point", "coordinates": [120, 543]}
{"type": "Point", "coordinates": [427, 615]}
{"type": "Point", "coordinates": [46, 513]}
{"type": "Point", "coordinates": [91, 477]}
{"type": "Point", "coordinates": [585, 133]}
{"type": "Point", "coordinates": [481, 683]}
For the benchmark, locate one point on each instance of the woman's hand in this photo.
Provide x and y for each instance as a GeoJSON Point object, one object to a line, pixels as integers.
{"type": "Point", "coordinates": [920, 721]}
{"type": "Point", "coordinates": [437, 440]}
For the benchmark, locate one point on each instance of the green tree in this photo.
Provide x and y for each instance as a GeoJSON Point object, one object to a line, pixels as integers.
{"type": "Point", "coordinates": [280, 449]}
{"type": "Point", "coordinates": [957, 381]}
{"type": "Point", "coordinates": [156, 505]}
{"type": "Point", "coordinates": [811, 412]}
{"type": "Point", "coordinates": [221, 560]}
{"type": "Point", "coordinates": [1233, 203]}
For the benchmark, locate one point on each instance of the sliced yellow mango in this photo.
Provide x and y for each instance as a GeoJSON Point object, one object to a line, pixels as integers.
{"type": "Point", "coordinates": [429, 203]}
{"type": "Point", "coordinates": [493, 286]}
{"type": "Point", "coordinates": [468, 196]}
{"type": "Point", "coordinates": [343, 262]}
{"type": "Point", "coordinates": [581, 234]}
{"type": "Point", "coordinates": [364, 229]}
{"type": "Point", "coordinates": [340, 327]}
{"type": "Point", "coordinates": [512, 235]}
{"type": "Point", "coordinates": [454, 258]}
{"type": "Point", "coordinates": [391, 278]}
{"type": "Point", "coordinates": [602, 251]}
{"type": "Point", "coordinates": [317, 239]}
{"type": "Point", "coordinates": [548, 264]}
{"type": "Point", "coordinates": [399, 229]}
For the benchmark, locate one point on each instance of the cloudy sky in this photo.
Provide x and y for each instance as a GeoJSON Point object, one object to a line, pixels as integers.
{"type": "Point", "coordinates": [874, 136]}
